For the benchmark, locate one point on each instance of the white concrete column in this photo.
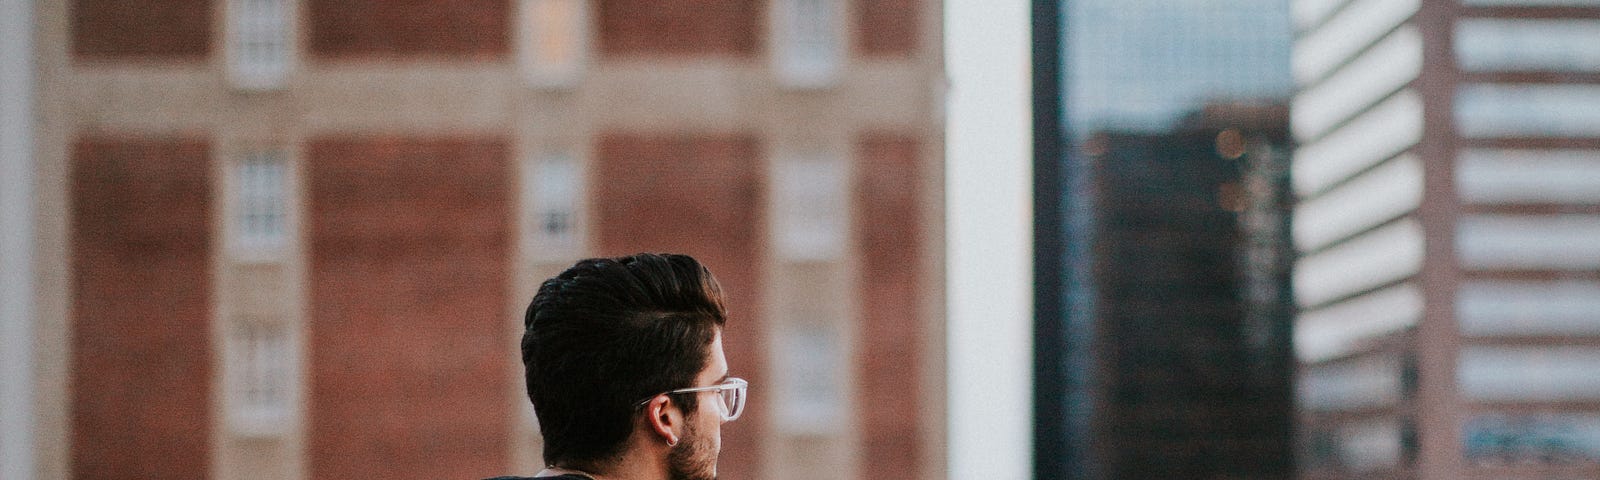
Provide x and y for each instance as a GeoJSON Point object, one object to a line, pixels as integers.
{"type": "Point", "coordinates": [16, 240]}
{"type": "Point", "coordinates": [989, 210]}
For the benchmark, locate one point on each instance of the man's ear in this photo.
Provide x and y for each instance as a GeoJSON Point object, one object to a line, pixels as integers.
{"type": "Point", "coordinates": [664, 418]}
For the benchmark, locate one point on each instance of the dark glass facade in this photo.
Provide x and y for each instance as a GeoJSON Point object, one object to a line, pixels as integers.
{"type": "Point", "coordinates": [1162, 253]}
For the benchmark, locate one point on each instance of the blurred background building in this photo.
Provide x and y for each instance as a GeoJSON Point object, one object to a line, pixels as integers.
{"type": "Point", "coordinates": [1161, 244]}
{"type": "Point", "coordinates": [1447, 185]}
{"type": "Point", "coordinates": [294, 239]}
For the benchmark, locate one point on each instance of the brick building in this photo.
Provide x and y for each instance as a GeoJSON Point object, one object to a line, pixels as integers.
{"type": "Point", "coordinates": [281, 239]}
{"type": "Point", "coordinates": [1448, 191]}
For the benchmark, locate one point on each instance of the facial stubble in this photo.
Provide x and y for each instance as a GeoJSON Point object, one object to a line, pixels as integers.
{"type": "Point", "coordinates": [695, 457]}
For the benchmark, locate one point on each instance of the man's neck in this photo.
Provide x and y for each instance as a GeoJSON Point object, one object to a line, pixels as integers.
{"type": "Point", "coordinates": [557, 471]}
{"type": "Point", "coordinates": [631, 467]}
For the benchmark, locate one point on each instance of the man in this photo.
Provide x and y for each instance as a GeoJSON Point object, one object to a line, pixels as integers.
{"type": "Point", "coordinates": [626, 371]}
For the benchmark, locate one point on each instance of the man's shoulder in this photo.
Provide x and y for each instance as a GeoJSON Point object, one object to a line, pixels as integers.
{"type": "Point", "coordinates": [558, 477]}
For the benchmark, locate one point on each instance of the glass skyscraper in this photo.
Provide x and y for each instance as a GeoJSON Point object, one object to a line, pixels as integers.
{"type": "Point", "coordinates": [1143, 65]}
{"type": "Point", "coordinates": [1162, 306]}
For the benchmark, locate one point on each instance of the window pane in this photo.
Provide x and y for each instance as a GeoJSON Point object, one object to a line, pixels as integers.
{"type": "Point", "coordinates": [1554, 45]}
{"type": "Point", "coordinates": [261, 372]}
{"type": "Point", "coordinates": [258, 41]}
{"type": "Point", "coordinates": [1490, 110]}
{"type": "Point", "coordinates": [1515, 374]}
{"type": "Point", "coordinates": [1535, 439]}
{"type": "Point", "coordinates": [259, 204]}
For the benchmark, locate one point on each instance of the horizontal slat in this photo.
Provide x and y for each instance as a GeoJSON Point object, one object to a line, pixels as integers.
{"type": "Point", "coordinates": [1381, 133]}
{"type": "Point", "coordinates": [1529, 374]}
{"type": "Point", "coordinates": [1338, 329]}
{"type": "Point", "coordinates": [1528, 176]}
{"type": "Point", "coordinates": [1369, 382]}
{"type": "Point", "coordinates": [1531, 3]}
{"type": "Point", "coordinates": [1386, 67]}
{"type": "Point", "coordinates": [1554, 242]}
{"type": "Point", "coordinates": [1524, 308]}
{"type": "Point", "coordinates": [1528, 440]}
{"type": "Point", "coordinates": [1369, 446]}
{"type": "Point", "coordinates": [1504, 110]}
{"type": "Point", "coordinates": [1387, 254]}
{"type": "Point", "coordinates": [1311, 12]}
{"type": "Point", "coordinates": [1517, 44]}
{"type": "Point", "coordinates": [1350, 30]}
{"type": "Point", "coordinates": [1379, 195]}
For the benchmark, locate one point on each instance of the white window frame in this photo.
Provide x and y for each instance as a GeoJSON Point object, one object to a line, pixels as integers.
{"type": "Point", "coordinates": [260, 188]}
{"type": "Point", "coordinates": [554, 184]}
{"type": "Point", "coordinates": [551, 73]}
{"type": "Point", "coordinates": [253, 25]}
{"type": "Point", "coordinates": [261, 377]}
{"type": "Point", "coordinates": [808, 46]}
{"type": "Point", "coordinates": [811, 371]}
{"type": "Point", "coordinates": [811, 207]}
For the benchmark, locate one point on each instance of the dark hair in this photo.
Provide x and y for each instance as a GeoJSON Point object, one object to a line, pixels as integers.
{"type": "Point", "coordinates": [607, 333]}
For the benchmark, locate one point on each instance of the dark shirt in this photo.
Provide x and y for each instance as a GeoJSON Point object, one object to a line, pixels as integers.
{"type": "Point", "coordinates": [558, 477]}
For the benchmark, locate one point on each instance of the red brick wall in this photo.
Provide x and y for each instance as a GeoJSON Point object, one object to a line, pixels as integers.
{"type": "Point", "coordinates": [887, 28]}
{"type": "Point", "coordinates": [452, 29]}
{"type": "Point", "coordinates": [409, 244]}
{"type": "Point", "coordinates": [681, 27]}
{"type": "Point", "coordinates": [141, 309]}
{"type": "Point", "coordinates": [702, 196]}
{"type": "Point", "coordinates": [154, 29]}
{"type": "Point", "coordinates": [889, 237]}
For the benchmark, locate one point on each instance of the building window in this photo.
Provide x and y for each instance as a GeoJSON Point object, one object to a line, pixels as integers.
{"type": "Point", "coordinates": [260, 371]}
{"type": "Point", "coordinates": [554, 41]}
{"type": "Point", "coordinates": [260, 37]}
{"type": "Point", "coordinates": [1525, 439]}
{"type": "Point", "coordinates": [1527, 110]}
{"type": "Point", "coordinates": [556, 185]}
{"type": "Point", "coordinates": [809, 44]}
{"type": "Point", "coordinates": [810, 220]}
{"type": "Point", "coordinates": [260, 211]}
{"type": "Point", "coordinates": [1533, 45]}
{"type": "Point", "coordinates": [811, 387]}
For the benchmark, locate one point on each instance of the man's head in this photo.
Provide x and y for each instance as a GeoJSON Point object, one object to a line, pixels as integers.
{"type": "Point", "coordinates": [605, 340]}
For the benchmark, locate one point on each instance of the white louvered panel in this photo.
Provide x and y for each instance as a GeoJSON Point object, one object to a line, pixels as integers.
{"type": "Point", "coordinates": [1381, 133]}
{"type": "Point", "coordinates": [1387, 254]}
{"type": "Point", "coordinates": [1309, 12]}
{"type": "Point", "coordinates": [1370, 445]}
{"type": "Point", "coordinates": [1379, 195]}
{"type": "Point", "coordinates": [1354, 27]}
{"type": "Point", "coordinates": [1335, 330]}
{"type": "Point", "coordinates": [1362, 383]}
{"type": "Point", "coordinates": [1387, 67]}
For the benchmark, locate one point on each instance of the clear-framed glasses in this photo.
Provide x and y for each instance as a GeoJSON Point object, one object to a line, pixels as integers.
{"type": "Point", "coordinates": [731, 392]}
